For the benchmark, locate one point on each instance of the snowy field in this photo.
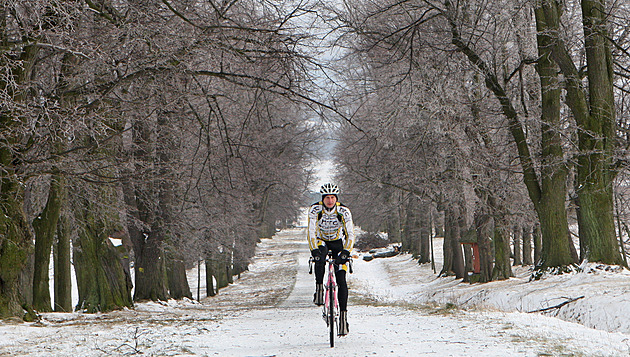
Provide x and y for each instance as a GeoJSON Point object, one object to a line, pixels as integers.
{"type": "Point", "coordinates": [397, 308]}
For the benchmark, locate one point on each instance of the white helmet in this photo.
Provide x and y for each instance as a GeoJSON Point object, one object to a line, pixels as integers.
{"type": "Point", "coordinates": [329, 189]}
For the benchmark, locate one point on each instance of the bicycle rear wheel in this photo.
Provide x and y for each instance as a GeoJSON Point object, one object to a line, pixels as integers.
{"type": "Point", "coordinates": [331, 315]}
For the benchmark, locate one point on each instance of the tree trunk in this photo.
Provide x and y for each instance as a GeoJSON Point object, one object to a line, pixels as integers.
{"type": "Point", "coordinates": [45, 227]}
{"type": "Point", "coordinates": [572, 250]}
{"type": "Point", "coordinates": [177, 280]}
{"type": "Point", "coordinates": [101, 278]}
{"type": "Point", "coordinates": [555, 249]}
{"type": "Point", "coordinates": [267, 223]}
{"type": "Point", "coordinates": [550, 207]}
{"type": "Point", "coordinates": [483, 225]}
{"type": "Point", "coordinates": [16, 241]}
{"type": "Point", "coordinates": [502, 268]}
{"type": "Point", "coordinates": [627, 229]}
{"type": "Point", "coordinates": [595, 221]}
{"type": "Point", "coordinates": [199, 280]}
{"type": "Point", "coordinates": [438, 222]}
{"type": "Point", "coordinates": [393, 228]}
{"type": "Point", "coordinates": [622, 249]}
{"type": "Point", "coordinates": [431, 224]}
{"type": "Point", "coordinates": [527, 246]}
{"type": "Point", "coordinates": [468, 263]}
{"type": "Point", "coordinates": [150, 269]}
{"type": "Point", "coordinates": [458, 258]}
{"type": "Point", "coordinates": [210, 290]}
{"type": "Point", "coordinates": [447, 247]}
{"type": "Point", "coordinates": [516, 234]}
{"type": "Point", "coordinates": [240, 265]}
{"type": "Point", "coordinates": [453, 256]}
{"type": "Point", "coordinates": [220, 269]}
{"type": "Point", "coordinates": [25, 282]}
{"type": "Point", "coordinates": [15, 235]}
{"type": "Point", "coordinates": [597, 141]}
{"type": "Point", "coordinates": [143, 201]}
{"type": "Point", "coordinates": [424, 249]}
{"type": "Point", "coordinates": [537, 244]}
{"type": "Point", "coordinates": [62, 254]}
{"type": "Point", "coordinates": [15, 245]}
{"type": "Point", "coordinates": [63, 272]}
{"type": "Point", "coordinates": [229, 268]}
{"type": "Point", "coordinates": [411, 233]}
{"type": "Point", "coordinates": [594, 112]}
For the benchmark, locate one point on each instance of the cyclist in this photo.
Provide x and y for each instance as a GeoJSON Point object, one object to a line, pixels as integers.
{"type": "Point", "coordinates": [330, 227]}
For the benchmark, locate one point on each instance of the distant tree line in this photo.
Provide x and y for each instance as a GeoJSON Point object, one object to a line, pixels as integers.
{"type": "Point", "coordinates": [176, 126]}
{"type": "Point", "coordinates": [506, 120]}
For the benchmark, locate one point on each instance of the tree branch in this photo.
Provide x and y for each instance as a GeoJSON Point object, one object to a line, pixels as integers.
{"type": "Point", "coordinates": [568, 301]}
{"type": "Point", "coordinates": [515, 127]}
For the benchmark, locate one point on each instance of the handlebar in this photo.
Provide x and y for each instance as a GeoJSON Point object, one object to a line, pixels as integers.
{"type": "Point", "coordinates": [311, 261]}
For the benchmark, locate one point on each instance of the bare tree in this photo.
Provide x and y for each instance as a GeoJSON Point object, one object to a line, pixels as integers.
{"type": "Point", "coordinates": [158, 105]}
{"type": "Point", "coordinates": [405, 30]}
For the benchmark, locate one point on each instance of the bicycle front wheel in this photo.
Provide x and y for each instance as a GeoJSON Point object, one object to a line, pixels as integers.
{"type": "Point", "coordinates": [331, 315]}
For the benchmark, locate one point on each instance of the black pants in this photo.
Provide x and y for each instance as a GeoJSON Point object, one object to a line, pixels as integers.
{"type": "Point", "coordinates": [336, 247]}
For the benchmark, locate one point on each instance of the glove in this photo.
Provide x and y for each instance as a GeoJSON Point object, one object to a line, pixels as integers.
{"type": "Point", "coordinates": [343, 257]}
{"type": "Point", "coordinates": [319, 253]}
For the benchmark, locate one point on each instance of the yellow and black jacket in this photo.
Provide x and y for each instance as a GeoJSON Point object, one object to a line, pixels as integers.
{"type": "Point", "coordinates": [324, 225]}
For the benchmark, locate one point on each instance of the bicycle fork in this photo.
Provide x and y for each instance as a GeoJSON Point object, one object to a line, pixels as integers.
{"type": "Point", "coordinates": [327, 296]}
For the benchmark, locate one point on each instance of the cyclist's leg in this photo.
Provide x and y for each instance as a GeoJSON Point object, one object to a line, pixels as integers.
{"type": "Point", "coordinates": [342, 288]}
{"type": "Point", "coordinates": [342, 297]}
{"type": "Point", "coordinates": [320, 267]}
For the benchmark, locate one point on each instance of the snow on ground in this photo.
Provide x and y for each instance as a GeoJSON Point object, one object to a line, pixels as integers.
{"type": "Point", "coordinates": [603, 291]}
{"type": "Point", "coordinates": [397, 308]}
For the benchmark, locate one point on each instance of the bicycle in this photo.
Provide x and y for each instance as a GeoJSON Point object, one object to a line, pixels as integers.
{"type": "Point", "coordinates": [330, 311]}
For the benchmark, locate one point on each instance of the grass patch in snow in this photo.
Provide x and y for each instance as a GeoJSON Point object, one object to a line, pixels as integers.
{"type": "Point", "coordinates": [548, 347]}
{"type": "Point", "coordinates": [371, 300]}
{"type": "Point", "coordinates": [447, 309]}
{"type": "Point", "coordinates": [560, 351]}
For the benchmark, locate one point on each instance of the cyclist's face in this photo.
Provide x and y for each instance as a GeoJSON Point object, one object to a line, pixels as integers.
{"type": "Point", "coordinates": [330, 200]}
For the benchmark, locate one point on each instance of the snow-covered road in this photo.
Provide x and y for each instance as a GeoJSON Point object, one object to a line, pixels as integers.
{"type": "Point", "coordinates": [268, 312]}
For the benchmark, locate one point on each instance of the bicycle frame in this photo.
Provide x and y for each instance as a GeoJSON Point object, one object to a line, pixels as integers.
{"type": "Point", "coordinates": [330, 311]}
{"type": "Point", "coordinates": [331, 284]}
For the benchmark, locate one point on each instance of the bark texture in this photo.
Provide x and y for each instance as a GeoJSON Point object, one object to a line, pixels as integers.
{"type": "Point", "coordinates": [177, 281]}
{"type": "Point", "coordinates": [453, 255]}
{"type": "Point", "coordinates": [45, 227]}
{"type": "Point", "coordinates": [484, 228]}
{"type": "Point", "coordinates": [62, 266]}
{"type": "Point", "coordinates": [594, 113]}
{"type": "Point", "coordinates": [102, 281]}
{"type": "Point", "coordinates": [502, 268]}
